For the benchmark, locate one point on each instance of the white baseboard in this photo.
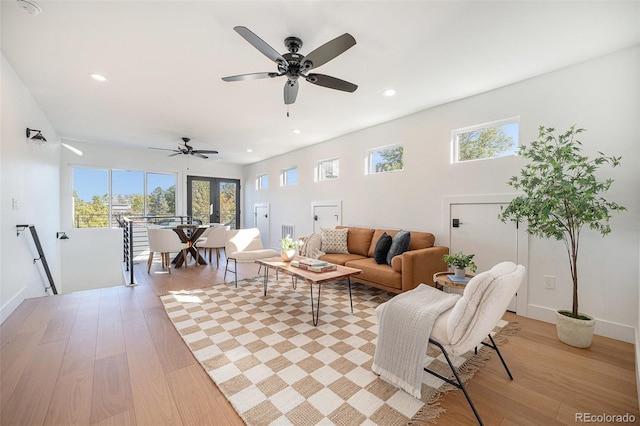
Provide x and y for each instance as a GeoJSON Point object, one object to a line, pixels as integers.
{"type": "Point", "coordinates": [604, 328]}
{"type": "Point", "coordinates": [12, 304]}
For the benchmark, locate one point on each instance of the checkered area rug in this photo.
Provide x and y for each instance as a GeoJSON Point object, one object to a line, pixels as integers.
{"type": "Point", "coordinates": [275, 367]}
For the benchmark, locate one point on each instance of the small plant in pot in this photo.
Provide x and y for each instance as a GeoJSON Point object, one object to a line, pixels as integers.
{"type": "Point", "coordinates": [460, 262]}
{"type": "Point", "coordinates": [289, 246]}
{"type": "Point", "coordinates": [561, 197]}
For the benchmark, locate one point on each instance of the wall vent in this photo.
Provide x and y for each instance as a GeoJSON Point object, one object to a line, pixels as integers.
{"type": "Point", "coordinates": [288, 229]}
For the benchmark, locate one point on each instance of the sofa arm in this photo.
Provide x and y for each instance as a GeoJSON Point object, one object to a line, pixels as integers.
{"type": "Point", "coordinates": [418, 266]}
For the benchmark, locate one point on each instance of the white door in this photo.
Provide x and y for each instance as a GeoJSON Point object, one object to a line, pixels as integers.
{"type": "Point", "coordinates": [475, 228]}
{"type": "Point", "coordinates": [261, 213]}
{"type": "Point", "coordinates": [326, 214]}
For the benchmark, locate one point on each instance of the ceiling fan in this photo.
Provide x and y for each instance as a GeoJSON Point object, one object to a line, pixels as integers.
{"type": "Point", "coordinates": [186, 149]}
{"type": "Point", "coordinates": [294, 65]}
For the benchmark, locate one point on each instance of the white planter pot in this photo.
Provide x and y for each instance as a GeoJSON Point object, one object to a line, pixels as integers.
{"type": "Point", "coordinates": [288, 255]}
{"type": "Point", "coordinates": [575, 332]}
{"type": "Point", "coordinates": [460, 273]}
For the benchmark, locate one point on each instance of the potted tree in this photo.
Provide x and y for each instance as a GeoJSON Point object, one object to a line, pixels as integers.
{"type": "Point", "coordinates": [561, 197]}
{"type": "Point", "coordinates": [460, 262]}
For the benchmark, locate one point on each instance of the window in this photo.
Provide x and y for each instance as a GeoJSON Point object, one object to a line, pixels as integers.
{"type": "Point", "coordinates": [327, 169]}
{"type": "Point", "coordinates": [289, 176]}
{"type": "Point", "coordinates": [387, 159]}
{"type": "Point", "coordinates": [262, 181]}
{"type": "Point", "coordinates": [90, 198]}
{"type": "Point", "coordinates": [127, 193]}
{"type": "Point", "coordinates": [490, 140]}
{"type": "Point", "coordinates": [94, 203]}
{"type": "Point", "coordinates": [161, 194]}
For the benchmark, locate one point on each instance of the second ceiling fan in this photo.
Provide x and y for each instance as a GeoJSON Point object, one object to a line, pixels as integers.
{"type": "Point", "coordinates": [294, 65]}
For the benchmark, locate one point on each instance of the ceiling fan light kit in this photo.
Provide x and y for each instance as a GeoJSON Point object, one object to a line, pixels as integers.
{"type": "Point", "coordinates": [294, 65]}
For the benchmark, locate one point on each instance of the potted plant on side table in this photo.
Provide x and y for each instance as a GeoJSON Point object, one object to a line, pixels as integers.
{"type": "Point", "coordinates": [460, 262]}
{"type": "Point", "coordinates": [289, 248]}
{"type": "Point", "coordinates": [561, 197]}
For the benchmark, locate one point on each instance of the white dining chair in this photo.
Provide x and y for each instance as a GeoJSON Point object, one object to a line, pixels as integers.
{"type": "Point", "coordinates": [165, 242]}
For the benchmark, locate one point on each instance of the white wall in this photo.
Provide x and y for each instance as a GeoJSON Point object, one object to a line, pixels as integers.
{"type": "Point", "coordinates": [101, 249]}
{"type": "Point", "coordinates": [601, 96]}
{"type": "Point", "coordinates": [29, 173]}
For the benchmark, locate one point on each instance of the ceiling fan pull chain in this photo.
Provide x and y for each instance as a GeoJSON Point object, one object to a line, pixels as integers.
{"type": "Point", "coordinates": [287, 110]}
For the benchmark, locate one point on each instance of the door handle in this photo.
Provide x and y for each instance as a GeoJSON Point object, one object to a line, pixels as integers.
{"type": "Point", "coordinates": [456, 223]}
{"type": "Point", "coordinates": [336, 217]}
{"type": "Point", "coordinates": [315, 217]}
{"type": "Point", "coordinates": [265, 216]}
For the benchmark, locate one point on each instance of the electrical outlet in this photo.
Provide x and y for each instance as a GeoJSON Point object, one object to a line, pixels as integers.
{"type": "Point", "coordinates": [550, 282]}
{"type": "Point", "coordinates": [15, 204]}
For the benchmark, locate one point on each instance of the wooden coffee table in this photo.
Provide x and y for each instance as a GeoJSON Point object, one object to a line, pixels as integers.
{"type": "Point", "coordinates": [441, 280]}
{"type": "Point", "coordinates": [312, 278]}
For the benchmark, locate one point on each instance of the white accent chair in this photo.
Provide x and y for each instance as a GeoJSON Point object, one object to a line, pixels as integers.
{"type": "Point", "coordinates": [215, 240]}
{"type": "Point", "coordinates": [471, 320]}
{"type": "Point", "coordinates": [465, 326]}
{"type": "Point", "coordinates": [244, 245]}
{"type": "Point", "coordinates": [165, 242]}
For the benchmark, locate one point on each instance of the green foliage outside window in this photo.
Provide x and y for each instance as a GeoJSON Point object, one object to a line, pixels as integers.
{"type": "Point", "coordinates": [91, 214]}
{"type": "Point", "coordinates": [387, 160]}
{"type": "Point", "coordinates": [484, 143]}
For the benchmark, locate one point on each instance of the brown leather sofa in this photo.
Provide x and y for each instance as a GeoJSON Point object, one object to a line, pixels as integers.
{"type": "Point", "coordinates": [415, 266]}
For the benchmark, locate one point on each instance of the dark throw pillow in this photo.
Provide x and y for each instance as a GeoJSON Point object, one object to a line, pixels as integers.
{"type": "Point", "coordinates": [399, 245]}
{"type": "Point", "coordinates": [382, 248]}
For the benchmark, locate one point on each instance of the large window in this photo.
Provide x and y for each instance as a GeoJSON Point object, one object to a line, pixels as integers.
{"type": "Point", "coordinates": [489, 140]}
{"type": "Point", "coordinates": [385, 159]}
{"type": "Point", "coordinates": [90, 198]}
{"type": "Point", "coordinates": [101, 195]}
{"type": "Point", "coordinates": [327, 169]}
{"type": "Point", "coordinates": [289, 176]}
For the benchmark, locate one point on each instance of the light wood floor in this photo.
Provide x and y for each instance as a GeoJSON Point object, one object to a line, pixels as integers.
{"type": "Point", "coordinates": [112, 357]}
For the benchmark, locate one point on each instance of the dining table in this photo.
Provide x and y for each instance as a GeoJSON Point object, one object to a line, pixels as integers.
{"type": "Point", "coordinates": [189, 234]}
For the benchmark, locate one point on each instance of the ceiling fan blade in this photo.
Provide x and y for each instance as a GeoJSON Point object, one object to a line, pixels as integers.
{"type": "Point", "coordinates": [206, 151]}
{"type": "Point", "coordinates": [328, 51]}
{"type": "Point", "coordinates": [331, 82]}
{"type": "Point", "coordinates": [197, 154]}
{"type": "Point", "coordinates": [252, 76]}
{"type": "Point", "coordinates": [173, 155]}
{"type": "Point", "coordinates": [162, 149]}
{"type": "Point", "coordinates": [290, 91]}
{"type": "Point", "coordinates": [260, 44]}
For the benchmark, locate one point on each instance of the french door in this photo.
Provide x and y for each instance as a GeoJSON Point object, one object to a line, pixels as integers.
{"type": "Point", "coordinates": [214, 200]}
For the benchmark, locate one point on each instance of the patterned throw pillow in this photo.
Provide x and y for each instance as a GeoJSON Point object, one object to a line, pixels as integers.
{"type": "Point", "coordinates": [334, 240]}
{"type": "Point", "coordinates": [399, 245]}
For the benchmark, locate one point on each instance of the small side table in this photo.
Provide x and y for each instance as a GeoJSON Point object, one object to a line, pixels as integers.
{"type": "Point", "coordinates": [441, 280]}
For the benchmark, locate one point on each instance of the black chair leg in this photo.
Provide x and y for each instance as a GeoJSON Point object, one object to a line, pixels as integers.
{"type": "Point", "coordinates": [458, 383]}
{"type": "Point", "coordinates": [495, 348]}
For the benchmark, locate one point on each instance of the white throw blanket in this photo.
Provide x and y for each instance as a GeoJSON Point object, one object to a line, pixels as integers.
{"type": "Point", "coordinates": [405, 324]}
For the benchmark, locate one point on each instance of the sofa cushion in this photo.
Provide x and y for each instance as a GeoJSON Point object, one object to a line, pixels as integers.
{"type": "Point", "coordinates": [340, 259]}
{"type": "Point", "coordinates": [334, 240]}
{"type": "Point", "coordinates": [421, 240]}
{"type": "Point", "coordinates": [374, 273]}
{"type": "Point", "coordinates": [399, 244]}
{"type": "Point", "coordinates": [382, 248]}
{"type": "Point", "coordinates": [358, 240]}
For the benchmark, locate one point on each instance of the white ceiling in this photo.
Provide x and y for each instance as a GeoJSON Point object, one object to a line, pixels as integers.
{"type": "Point", "coordinates": [164, 61]}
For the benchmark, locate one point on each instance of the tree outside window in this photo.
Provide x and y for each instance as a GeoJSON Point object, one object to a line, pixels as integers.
{"type": "Point", "coordinates": [388, 159]}
{"type": "Point", "coordinates": [486, 141]}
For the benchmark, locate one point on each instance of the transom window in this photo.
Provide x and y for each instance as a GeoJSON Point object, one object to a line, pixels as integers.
{"type": "Point", "coordinates": [262, 181]}
{"type": "Point", "coordinates": [289, 176]}
{"type": "Point", "coordinates": [385, 159]}
{"type": "Point", "coordinates": [327, 169]}
{"type": "Point", "coordinates": [489, 140]}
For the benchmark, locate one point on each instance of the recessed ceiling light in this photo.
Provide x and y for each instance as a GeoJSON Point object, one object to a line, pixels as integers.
{"type": "Point", "coordinates": [389, 92]}
{"type": "Point", "coordinates": [249, 150]}
{"type": "Point", "coordinates": [98, 77]}
{"type": "Point", "coordinates": [297, 131]}
{"type": "Point", "coordinates": [30, 6]}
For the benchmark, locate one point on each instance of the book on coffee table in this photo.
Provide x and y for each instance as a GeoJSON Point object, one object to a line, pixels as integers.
{"type": "Point", "coordinates": [315, 265]}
